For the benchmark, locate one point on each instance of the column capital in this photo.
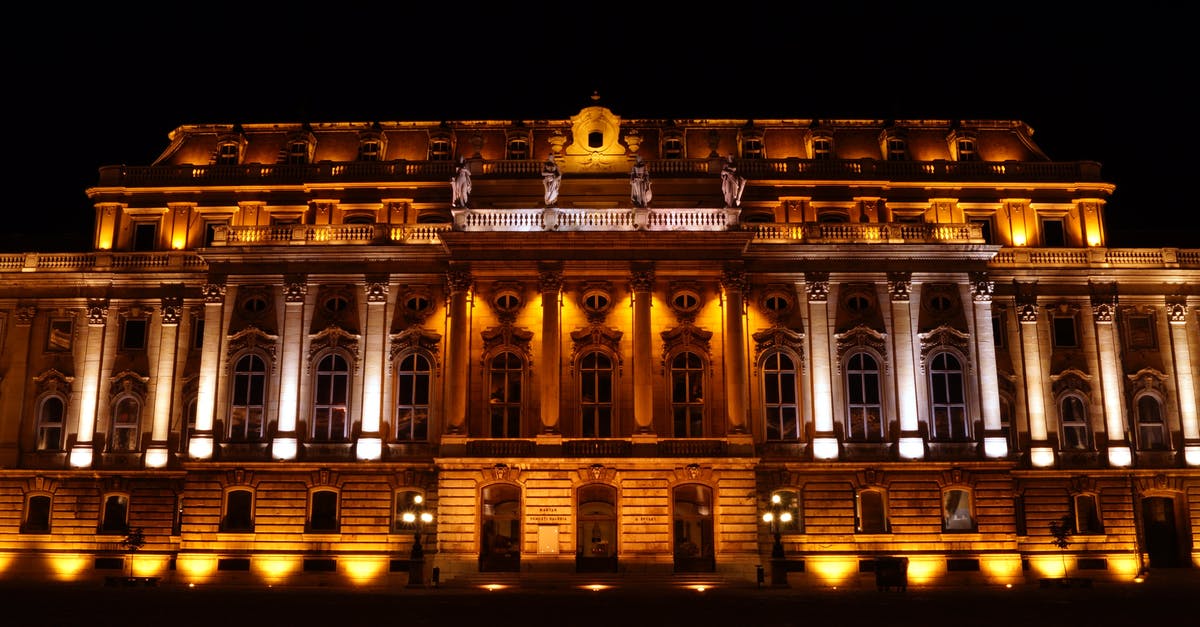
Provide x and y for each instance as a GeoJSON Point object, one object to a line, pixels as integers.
{"type": "Point", "coordinates": [97, 311]}
{"type": "Point", "coordinates": [294, 289]}
{"type": "Point", "coordinates": [817, 285]}
{"type": "Point", "coordinates": [642, 280]}
{"type": "Point", "coordinates": [899, 286]}
{"type": "Point", "coordinates": [982, 287]}
{"type": "Point", "coordinates": [458, 280]}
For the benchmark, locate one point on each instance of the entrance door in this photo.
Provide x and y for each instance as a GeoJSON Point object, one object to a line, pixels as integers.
{"type": "Point", "coordinates": [596, 529]}
{"type": "Point", "coordinates": [500, 529]}
{"type": "Point", "coordinates": [1161, 533]}
{"type": "Point", "coordinates": [692, 530]}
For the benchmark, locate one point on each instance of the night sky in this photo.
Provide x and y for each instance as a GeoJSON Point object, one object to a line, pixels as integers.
{"type": "Point", "coordinates": [104, 86]}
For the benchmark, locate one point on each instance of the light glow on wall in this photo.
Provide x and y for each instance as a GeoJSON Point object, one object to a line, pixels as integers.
{"type": "Point", "coordinates": [1120, 456]}
{"type": "Point", "coordinates": [156, 457]}
{"type": "Point", "coordinates": [1050, 565]}
{"type": "Point", "coordinates": [995, 447]}
{"type": "Point", "coordinates": [1041, 456]}
{"type": "Point", "coordinates": [1191, 453]}
{"type": "Point", "coordinates": [68, 567]}
{"type": "Point", "coordinates": [825, 448]}
{"type": "Point", "coordinates": [925, 571]}
{"type": "Point", "coordinates": [284, 448]}
{"type": "Point", "coordinates": [364, 571]}
{"type": "Point", "coordinates": [834, 571]}
{"type": "Point", "coordinates": [911, 448]}
{"type": "Point", "coordinates": [81, 457]}
{"type": "Point", "coordinates": [200, 447]}
{"type": "Point", "coordinates": [1001, 569]}
{"type": "Point", "coordinates": [149, 565]}
{"type": "Point", "coordinates": [276, 569]}
{"type": "Point", "coordinates": [196, 568]}
{"type": "Point", "coordinates": [369, 449]}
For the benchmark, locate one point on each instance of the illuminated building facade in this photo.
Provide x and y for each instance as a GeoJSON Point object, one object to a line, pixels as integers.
{"type": "Point", "coordinates": [289, 336]}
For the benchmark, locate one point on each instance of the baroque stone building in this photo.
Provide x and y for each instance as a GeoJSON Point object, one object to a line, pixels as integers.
{"type": "Point", "coordinates": [599, 345]}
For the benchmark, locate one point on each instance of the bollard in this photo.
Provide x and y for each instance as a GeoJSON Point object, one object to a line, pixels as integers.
{"type": "Point", "coordinates": [436, 576]}
{"type": "Point", "coordinates": [759, 575]}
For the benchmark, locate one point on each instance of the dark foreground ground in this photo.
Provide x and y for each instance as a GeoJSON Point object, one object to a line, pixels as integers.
{"type": "Point", "coordinates": [1172, 602]}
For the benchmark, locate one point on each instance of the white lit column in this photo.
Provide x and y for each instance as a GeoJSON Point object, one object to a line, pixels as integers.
{"type": "Point", "coordinates": [458, 284]}
{"type": "Point", "coordinates": [1041, 454]}
{"type": "Point", "coordinates": [1185, 379]}
{"type": "Point", "coordinates": [641, 282]}
{"type": "Point", "coordinates": [285, 444]}
{"type": "Point", "coordinates": [370, 443]}
{"type": "Point", "coordinates": [995, 445]}
{"type": "Point", "coordinates": [157, 453]}
{"type": "Point", "coordinates": [734, 282]}
{"type": "Point", "coordinates": [81, 452]}
{"type": "Point", "coordinates": [1103, 308]}
{"type": "Point", "coordinates": [911, 445]}
{"type": "Point", "coordinates": [825, 444]}
{"type": "Point", "coordinates": [550, 283]}
{"type": "Point", "coordinates": [200, 446]}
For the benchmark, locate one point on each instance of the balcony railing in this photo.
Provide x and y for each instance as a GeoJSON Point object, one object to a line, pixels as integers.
{"type": "Point", "coordinates": [761, 169]}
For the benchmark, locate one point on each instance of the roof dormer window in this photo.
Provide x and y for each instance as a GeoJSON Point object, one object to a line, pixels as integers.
{"type": "Point", "coordinates": [752, 143]}
{"type": "Point", "coordinates": [517, 146]}
{"type": "Point", "coordinates": [370, 149]}
{"type": "Point", "coordinates": [441, 148]}
{"type": "Point", "coordinates": [229, 153]}
{"type": "Point", "coordinates": [822, 147]}
{"type": "Point", "coordinates": [297, 151]}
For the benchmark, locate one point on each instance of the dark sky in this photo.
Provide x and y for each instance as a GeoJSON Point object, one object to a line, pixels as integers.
{"type": "Point", "coordinates": [93, 87]}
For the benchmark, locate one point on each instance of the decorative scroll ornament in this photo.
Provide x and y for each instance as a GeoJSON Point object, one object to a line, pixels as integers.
{"type": "Point", "coordinates": [817, 284]}
{"type": "Point", "coordinates": [550, 281]}
{"type": "Point", "coordinates": [899, 286]}
{"type": "Point", "coordinates": [1177, 313]}
{"type": "Point", "coordinates": [25, 315]}
{"type": "Point", "coordinates": [171, 310]}
{"type": "Point", "coordinates": [981, 287]}
{"type": "Point", "coordinates": [1104, 302]}
{"type": "Point", "coordinates": [641, 280]}
{"type": "Point", "coordinates": [97, 311]}
{"type": "Point", "coordinates": [458, 281]}
{"type": "Point", "coordinates": [733, 279]}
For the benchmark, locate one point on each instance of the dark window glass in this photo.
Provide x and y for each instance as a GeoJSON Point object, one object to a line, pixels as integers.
{"type": "Point", "coordinates": [948, 394]}
{"type": "Point", "coordinates": [1064, 332]}
{"type": "Point", "coordinates": [37, 514]}
{"type": "Point", "coordinates": [324, 514]}
{"type": "Point", "coordinates": [780, 398]}
{"type": "Point", "coordinates": [864, 408]}
{"type": "Point", "coordinates": [596, 395]}
{"type": "Point", "coordinates": [249, 398]}
{"type": "Point", "coordinates": [239, 514]}
{"type": "Point", "coordinates": [114, 516]}
{"type": "Point", "coordinates": [687, 395]}
{"type": "Point", "coordinates": [413, 379]}
{"type": "Point", "coordinates": [504, 401]}
{"type": "Point", "coordinates": [331, 398]}
{"type": "Point", "coordinates": [145, 236]}
{"type": "Point", "coordinates": [133, 335]}
{"type": "Point", "coordinates": [1054, 233]}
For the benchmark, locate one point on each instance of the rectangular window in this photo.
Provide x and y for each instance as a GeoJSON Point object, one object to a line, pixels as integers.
{"type": "Point", "coordinates": [440, 149]}
{"type": "Point", "coordinates": [133, 334]}
{"type": "Point", "coordinates": [323, 511]}
{"type": "Point", "coordinates": [369, 150]}
{"type": "Point", "coordinates": [1139, 331]}
{"type": "Point", "coordinates": [197, 333]}
{"type": "Point", "coordinates": [956, 511]}
{"type": "Point", "coordinates": [872, 514]}
{"type": "Point", "coordinates": [227, 154]}
{"type": "Point", "coordinates": [822, 148]}
{"type": "Point", "coordinates": [37, 515]}
{"type": "Point", "coordinates": [672, 147]}
{"type": "Point", "coordinates": [752, 148]}
{"type": "Point", "coordinates": [999, 330]}
{"type": "Point", "coordinates": [1087, 515]}
{"type": "Point", "coordinates": [297, 153]}
{"type": "Point", "coordinates": [145, 235]}
{"type": "Point", "coordinates": [60, 334]}
{"type": "Point", "coordinates": [1063, 330]}
{"type": "Point", "coordinates": [518, 148]}
{"type": "Point", "coordinates": [1054, 233]}
{"type": "Point", "coordinates": [114, 517]}
{"type": "Point", "coordinates": [239, 512]}
{"type": "Point", "coordinates": [897, 150]}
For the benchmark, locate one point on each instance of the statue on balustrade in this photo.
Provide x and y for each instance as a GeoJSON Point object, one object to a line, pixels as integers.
{"type": "Point", "coordinates": [639, 183]}
{"type": "Point", "coordinates": [551, 178]}
{"type": "Point", "coordinates": [732, 183]}
{"type": "Point", "coordinates": [460, 185]}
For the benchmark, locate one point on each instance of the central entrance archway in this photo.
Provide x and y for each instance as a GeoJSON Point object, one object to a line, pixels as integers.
{"type": "Point", "coordinates": [596, 529]}
{"type": "Point", "coordinates": [692, 511]}
{"type": "Point", "coordinates": [500, 529]}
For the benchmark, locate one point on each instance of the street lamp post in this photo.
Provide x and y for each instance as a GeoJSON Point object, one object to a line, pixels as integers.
{"type": "Point", "coordinates": [416, 559]}
{"type": "Point", "coordinates": [776, 518]}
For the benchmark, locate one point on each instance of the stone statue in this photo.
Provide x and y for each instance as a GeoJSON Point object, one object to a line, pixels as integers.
{"type": "Point", "coordinates": [551, 178]}
{"type": "Point", "coordinates": [639, 184]}
{"type": "Point", "coordinates": [732, 183]}
{"type": "Point", "coordinates": [460, 185]}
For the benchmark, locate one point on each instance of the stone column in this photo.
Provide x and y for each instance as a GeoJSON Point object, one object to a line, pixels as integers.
{"type": "Point", "coordinates": [550, 283]}
{"type": "Point", "coordinates": [458, 284]}
{"type": "Point", "coordinates": [97, 314]}
{"type": "Point", "coordinates": [370, 443]}
{"type": "Point", "coordinates": [995, 445]}
{"type": "Point", "coordinates": [1185, 378]}
{"type": "Point", "coordinates": [15, 366]}
{"type": "Point", "coordinates": [911, 445]}
{"type": "Point", "coordinates": [171, 309]}
{"type": "Point", "coordinates": [200, 446]}
{"type": "Point", "coordinates": [641, 283]}
{"type": "Point", "coordinates": [1104, 305]}
{"type": "Point", "coordinates": [825, 444]}
{"type": "Point", "coordinates": [1040, 452]}
{"type": "Point", "coordinates": [734, 282]}
{"type": "Point", "coordinates": [286, 443]}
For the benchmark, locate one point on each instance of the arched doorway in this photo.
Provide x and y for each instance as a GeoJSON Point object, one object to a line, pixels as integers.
{"type": "Point", "coordinates": [692, 512]}
{"type": "Point", "coordinates": [596, 529]}
{"type": "Point", "coordinates": [1161, 531]}
{"type": "Point", "coordinates": [500, 529]}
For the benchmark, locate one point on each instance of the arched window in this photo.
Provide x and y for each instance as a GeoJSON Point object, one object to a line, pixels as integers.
{"type": "Point", "coordinates": [126, 425]}
{"type": "Point", "coordinates": [687, 395]}
{"type": "Point", "coordinates": [50, 423]}
{"type": "Point", "coordinates": [596, 527]}
{"type": "Point", "coordinates": [114, 518]}
{"type": "Point", "coordinates": [323, 511]}
{"type": "Point", "coordinates": [1073, 417]}
{"type": "Point", "coordinates": [247, 407]}
{"type": "Point", "coordinates": [506, 372]}
{"type": "Point", "coordinates": [596, 395]}
{"type": "Point", "coordinates": [413, 385]}
{"type": "Point", "coordinates": [956, 510]}
{"type": "Point", "coordinates": [239, 511]}
{"type": "Point", "coordinates": [331, 394]}
{"type": "Point", "coordinates": [864, 408]}
{"type": "Point", "coordinates": [780, 402]}
{"type": "Point", "coordinates": [37, 514]}
{"type": "Point", "coordinates": [871, 511]}
{"type": "Point", "coordinates": [948, 399]}
{"type": "Point", "coordinates": [1087, 514]}
{"type": "Point", "coordinates": [1151, 430]}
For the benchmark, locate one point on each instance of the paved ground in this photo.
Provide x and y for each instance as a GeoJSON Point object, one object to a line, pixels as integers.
{"type": "Point", "coordinates": [1162, 602]}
